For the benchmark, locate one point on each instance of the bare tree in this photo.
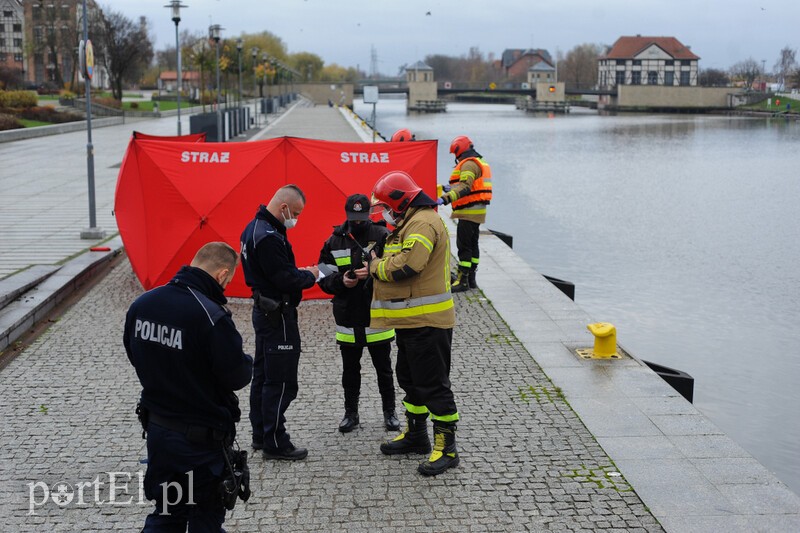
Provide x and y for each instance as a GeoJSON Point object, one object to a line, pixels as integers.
{"type": "Point", "coordinates": [128, 49]}
{"type": "Point", "coordinates": [785, 64]}
{"type": "Point", "coordinates": [712, 77]}
{"type": "Point", "coordinates": [579, 67]}
{"type": "Point", "coordinates": [746, 71]}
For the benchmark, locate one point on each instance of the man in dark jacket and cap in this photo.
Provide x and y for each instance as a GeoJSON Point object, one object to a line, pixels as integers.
{"type": "Point", "coordinates": [351, 286]}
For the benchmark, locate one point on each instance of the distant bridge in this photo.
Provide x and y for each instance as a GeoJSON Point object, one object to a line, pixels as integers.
{"type": "Point", "coordinates": [403, 89]}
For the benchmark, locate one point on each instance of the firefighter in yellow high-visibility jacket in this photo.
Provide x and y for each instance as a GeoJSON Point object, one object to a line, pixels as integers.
{"type": "Point", "coordinates": [411, 293]}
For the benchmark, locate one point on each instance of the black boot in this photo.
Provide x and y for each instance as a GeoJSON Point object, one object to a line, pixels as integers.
{"type": "Point", "coordinates": [349, 422]}
{"type": "Point", "coordinates": [289, 453]}
{"type": "Point", "coordinates": [444, 453]}
{"type": "Point", "coordinates": [390, 420]}
{"type": "Point", "coordinates": [461, 283]}
{"type": "Point", "coordinates": [413, 440]}
{"type": "Point", "coordinates": [471, 279]}
{"type": "Point", "coordinates": [389, 417]}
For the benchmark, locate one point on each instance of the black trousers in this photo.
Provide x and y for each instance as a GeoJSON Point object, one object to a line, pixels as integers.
{"type": "Point", "coordinates": [274, 384]}
{"type": "Point", "coordinates": [183, 478]}
{"type": "Point", "coordinates": [351, 373]}
{"type": "Point", "coordinates": [467, 235]}
{"type": "Point", "coordinates": [423, 368]}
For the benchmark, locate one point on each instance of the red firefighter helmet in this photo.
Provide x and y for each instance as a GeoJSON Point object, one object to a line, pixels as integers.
{"type": "Point", "coordinates": [460, 144]}
{"type": "Point", "coordinates": [403, 134]}
{"type": "Point", "coordinates": [395, 190]}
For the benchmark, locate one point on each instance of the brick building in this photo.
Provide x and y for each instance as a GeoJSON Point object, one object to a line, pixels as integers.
{"type": "Point", "coordinates": [516, 62]}
{"type": "Point", "coordinates": [54, 30]}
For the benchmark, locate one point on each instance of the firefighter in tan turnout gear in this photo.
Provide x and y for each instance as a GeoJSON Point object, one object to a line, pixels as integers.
{"type": "Point", "coordinates": [411, 293]}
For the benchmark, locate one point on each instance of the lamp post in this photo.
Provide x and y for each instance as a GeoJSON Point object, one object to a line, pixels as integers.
{"type": "Point", "coordinates": [254, 54]}
{"type": "Point", "coordinates": [176, 18]}
{"type": "Point", "coordinates": [239, 46]}
{"type": "Point", "coordinates": [274, 63]}
{"type": "Point", "coordinates": [265, 60]}
{"type": "Point", "coordinates": [214, 32]}
{"type": "Point", "coordinates": [92, 232]}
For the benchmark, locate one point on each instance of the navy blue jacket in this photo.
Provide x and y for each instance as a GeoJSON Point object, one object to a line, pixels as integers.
{"type": "Point", "coordinates": [268, 261]}
{"type": "Point", "coordinates": [187, 352]}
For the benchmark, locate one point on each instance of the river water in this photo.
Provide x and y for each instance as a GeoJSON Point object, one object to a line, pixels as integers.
{"type": "Point", "coordinates": [683, 231]}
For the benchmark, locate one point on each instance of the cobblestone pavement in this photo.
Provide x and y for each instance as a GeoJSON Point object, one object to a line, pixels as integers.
{"type": "Point", "coordinates": [527, 461]}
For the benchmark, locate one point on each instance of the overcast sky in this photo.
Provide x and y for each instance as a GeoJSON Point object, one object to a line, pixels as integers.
{"type": "Point", "coordinates": [721, 32]}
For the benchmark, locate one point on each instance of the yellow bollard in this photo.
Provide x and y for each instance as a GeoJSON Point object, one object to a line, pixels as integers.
{"type": "Point", "coordinates": [605, 339]}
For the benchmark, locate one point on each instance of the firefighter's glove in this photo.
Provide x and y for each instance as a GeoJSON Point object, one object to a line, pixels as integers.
{"type": "Point", "coordinates": [445, 199]}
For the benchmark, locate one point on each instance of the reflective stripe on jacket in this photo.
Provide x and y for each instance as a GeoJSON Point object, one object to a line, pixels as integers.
{"type": "Point", "coordinates": [373, 336]}
{"type": "Point", "coordinates": [412, 278]}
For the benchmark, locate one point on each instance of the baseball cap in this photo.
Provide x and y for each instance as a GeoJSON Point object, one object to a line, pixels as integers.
{"type": "Point", "coordinates": [357, 207]}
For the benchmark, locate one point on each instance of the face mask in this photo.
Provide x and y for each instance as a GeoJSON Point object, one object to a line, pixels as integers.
{"type": "Point", "coordinates": [288, 222]}
{"type": "Point", "coordinates": [387, 216]}
{"type": "Point", "coordinates": [356, 228]}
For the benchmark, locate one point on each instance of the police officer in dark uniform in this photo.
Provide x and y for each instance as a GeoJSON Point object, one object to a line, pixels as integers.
{"type": "Point", "coordinates": [188, 356]}
{"type": "Point", "coordinates": [351, 287]}
{"type": "Point", "coordinates": [270, 271]}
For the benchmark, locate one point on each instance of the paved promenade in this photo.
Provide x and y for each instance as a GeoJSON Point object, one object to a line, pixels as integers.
{"type": "Point", "coordinates": [549, 442]}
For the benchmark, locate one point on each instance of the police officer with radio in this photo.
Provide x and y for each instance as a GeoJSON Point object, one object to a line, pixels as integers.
{"type": "Point", "coordinates": [347, 248]}
{"type": "Point", "coordinates": [188, 356]}
{"type": "Point", "coordinates": [270, 271]}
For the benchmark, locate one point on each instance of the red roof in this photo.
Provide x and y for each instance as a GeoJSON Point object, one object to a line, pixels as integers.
{"type": "Point", "coordinates": [630, 47]}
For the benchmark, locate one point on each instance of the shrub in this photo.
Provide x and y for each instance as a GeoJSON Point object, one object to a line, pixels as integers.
{"type": "Point", "coordinates": [134, 105]}
{"type": "Point", "coordinates": [67, 95]}
{"type": "Point", "coordinates": [8, 122]}
{"type": "Point", "coordinates": [108, 102]}
{"type": "Point", "coordinates": [47, 114]}
{"type": "Point", "coordinates": [18, 99]}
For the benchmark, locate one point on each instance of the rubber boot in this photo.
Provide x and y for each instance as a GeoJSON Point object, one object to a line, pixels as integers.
{"type": "Point", "coordinates": [461, 283]}
{"type": "Point", "coordinates": [444, 453]}
{"type": "Point", "coordinates": [471, 279]}
{"type": "Point", "coordinates": [413, 440]}
{"type": "Point", "coordinates": [350, 420]}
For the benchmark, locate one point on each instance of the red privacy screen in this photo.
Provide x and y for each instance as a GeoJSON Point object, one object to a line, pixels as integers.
{"type": "Point", "coordinates": [174, 196]}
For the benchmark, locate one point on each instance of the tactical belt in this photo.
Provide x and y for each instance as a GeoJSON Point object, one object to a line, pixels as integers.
{"type": "Point", "coordinates": [193, 433]}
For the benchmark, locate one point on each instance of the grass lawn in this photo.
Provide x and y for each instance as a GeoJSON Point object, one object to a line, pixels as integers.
{"type": "Point", "coordinates": [775, 107]}
{"type": "Point", "coordinates": [32, 123]}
